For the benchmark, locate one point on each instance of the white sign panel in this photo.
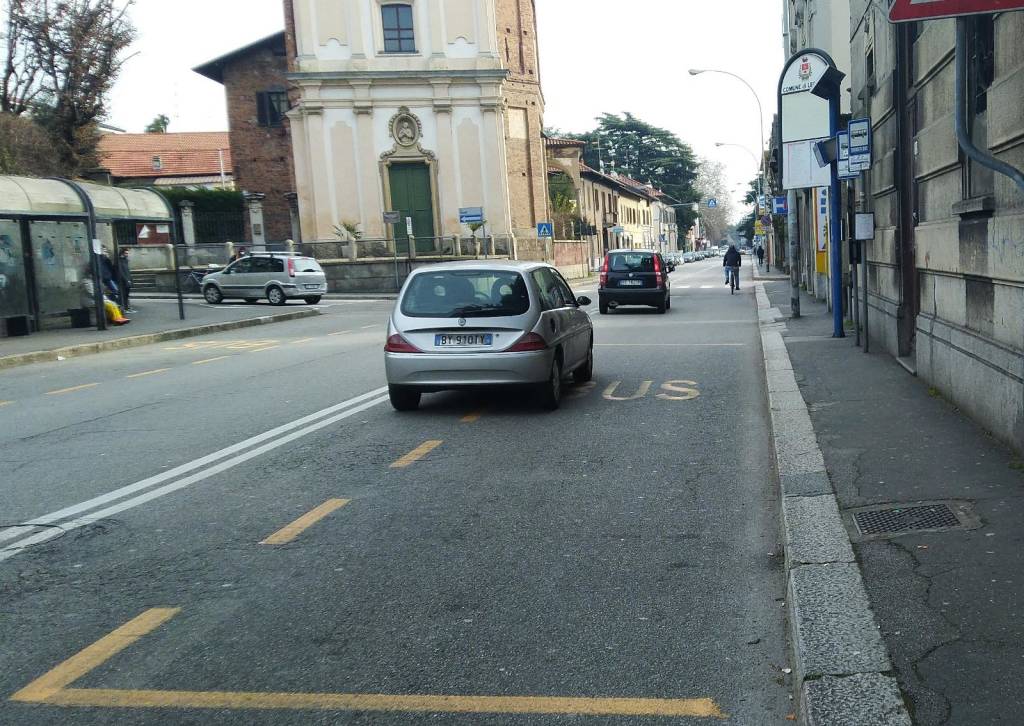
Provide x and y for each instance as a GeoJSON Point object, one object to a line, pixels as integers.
{"type": "Point", "coordinates": [864, 226]}
{"type": "Point", "coordinates": [805, 74]}
{"type": "Point", "coordinates": [805, 116]}
{"type": "Point", "coordinates": [800, 170]}
{"type": "Point", "coordinates": [821, 214]}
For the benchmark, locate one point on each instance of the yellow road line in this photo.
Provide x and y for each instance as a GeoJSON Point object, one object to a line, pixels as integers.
{"type": "Point", "coordinates": [341, 332]}
{"type": "Point", "coordinates": [307, 520]}
{"type": "Point", "coordinates": [148, 373]}
{"type": "Point", "coordinates": [260, 350]}
{"type": "Point", "coordinates": [72, 389]}
{"type": "Point", "coordinates": [367, 327]}
{"type": "Point", "coordinates": [547, 705]}
{"type": "Point", "coordinates": [52, 683]}
{"type": "Point", "coordinates": [304, 340]}
{"type": "Point", "coordinates": [472, 417]}
{"type": "Point", "coordinates": [416, 454]}
{"type": "Point", "coordinates": [5, 403]}
{"type": "Point", "coordinates": [209, 360]}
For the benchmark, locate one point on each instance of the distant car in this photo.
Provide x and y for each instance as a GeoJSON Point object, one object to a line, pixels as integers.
{"type": "Point", "coordinates": [464, 325]}
{"type": "Point", "coordinates": [276, 276]}
{"type": "Point", "coordinates": [689, 257]}
{"type": "Point", "coordinates": [634, 277]}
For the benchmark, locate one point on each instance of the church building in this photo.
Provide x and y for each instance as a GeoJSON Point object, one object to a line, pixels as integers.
{"type": "Point", "coordinates": [422, 107]}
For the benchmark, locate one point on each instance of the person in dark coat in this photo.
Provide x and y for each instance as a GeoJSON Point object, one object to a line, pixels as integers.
{"type": "Point", "coordinates": [760, 255]}
{"type": "Point", "coordinates": [733, 260]}
{"type": "Point", "coordinates": [108, 274]}
{"type": "Point", "coordinates": [124, 279]}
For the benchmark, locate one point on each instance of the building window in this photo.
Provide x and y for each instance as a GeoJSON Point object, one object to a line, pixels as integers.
{"type": "Point", "coordinates": [271, 106]}
{"type": "Point", "coordinates": [398, 29]}
{"type": "Point", "coordinates": [981, 56]}
{"type": "Point", "coordinates": [158, 163]}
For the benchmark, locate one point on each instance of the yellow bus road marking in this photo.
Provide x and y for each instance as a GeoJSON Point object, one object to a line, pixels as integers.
{"type": "Point", "coordinates": [209, 360]}
{"type": "Point", "coordinates": [48, 685]}
{"type": "Point", "coordinates": [307, 520]}
{"type": "Point", "coordinates": [53, 688]}
{"type": "Point", "coordinates": [472, 417]}
{"type": "Point", "coordinates": [59, 391]}
{"type": "Point", "coordinates": [544, 705]}
{"type": "Point", "coordinates": [148, 373]}
{"type": "Point", "coordinates": [416, 454]}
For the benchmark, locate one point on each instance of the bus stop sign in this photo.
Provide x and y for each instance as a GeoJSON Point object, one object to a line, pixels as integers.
{"type": "Point", "coordinates": [905, 11]}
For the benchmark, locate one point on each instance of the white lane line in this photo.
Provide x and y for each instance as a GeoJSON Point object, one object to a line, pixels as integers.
{"type": "Point", "coordinates": [706, 287]}
{"type": "Point", "coordinates": [48, 534]}
{"type": "Point", "coordinates": [184, 468]}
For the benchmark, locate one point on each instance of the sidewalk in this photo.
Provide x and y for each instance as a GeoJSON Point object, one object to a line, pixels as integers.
{"type": "Point", "coordinates": [156, 320]}
{"type": "Point", "coordinates": [950, 603]}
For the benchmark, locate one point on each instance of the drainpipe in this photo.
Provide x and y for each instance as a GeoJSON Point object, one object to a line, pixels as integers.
{"type": "Point", "coordinates": [962, 133]}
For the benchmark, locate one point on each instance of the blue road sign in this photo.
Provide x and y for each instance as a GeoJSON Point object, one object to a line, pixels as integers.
{"type": "Point", "coordinates": [545, 229]}
{"type": "Point", "coordinates": [471, 215]}
{"type": "Point", "coordinates": [780, 205]}
{"type": "Point", "coordinates": [712, 203]}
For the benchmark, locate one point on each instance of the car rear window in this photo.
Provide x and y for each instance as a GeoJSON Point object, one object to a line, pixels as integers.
{"type": "Point", "coordinates": [631, 262]}
{"type": "Point", "coordinates": [307, 264]}
{"type": "Point", "coordinates": [466, 294]}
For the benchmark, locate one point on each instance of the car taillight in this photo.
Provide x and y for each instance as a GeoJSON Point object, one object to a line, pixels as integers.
{"type": "Point", "coordinates": [657, 271]}
{"type": "Point", "coordinates": [604, 272]}
{"type": "Point", "coordinates": [397, 344]}
{"type": "Point", "coordinates": [291, 267]}
{"type": "Point", "coordinates": [529, 343]}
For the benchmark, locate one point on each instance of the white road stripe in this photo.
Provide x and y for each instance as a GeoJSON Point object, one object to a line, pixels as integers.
{"type": "Point", "coordinates": [48, 534]}
{"type": "Point", "coordinates": [174, 473]}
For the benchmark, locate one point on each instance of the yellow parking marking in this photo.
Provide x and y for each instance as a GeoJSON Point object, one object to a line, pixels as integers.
{"type": "Point", "coordinates": [59, 391]}
{"type": "Point", "coordinates": [5, 403]}
{"type": "Point", "coordinates": [53, 689]}
{"type": "Point", "coordinates": [260, 350]}
{"type": "Point", "coordinates": [472, 417]}
{"type": "Point", "coordinates": [148, 373]}
{"type": "Point", "coordinates": [209, 360]}
{"type": "Point", "coordinates": [416, 454]}
{"type": "Point", "coordinates": [288, 533]}
{"type": "Point", "coordinates": [304, 340]}
{"type": "Point", "coordinates": [367, 327]}
{"type": "Point", "coordinates": [341, 332]}
{"type": "Point", "coordinates": [49, 685]}
{"type": "Point", "coordinates": [251, 344]}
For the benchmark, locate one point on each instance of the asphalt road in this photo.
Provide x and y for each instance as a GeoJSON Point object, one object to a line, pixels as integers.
{"type": "Point", "coordinates": [476, 562]}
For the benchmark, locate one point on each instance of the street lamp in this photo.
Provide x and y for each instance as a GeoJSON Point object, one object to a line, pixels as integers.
{"type": "Point", "coordinates": [760, 113]}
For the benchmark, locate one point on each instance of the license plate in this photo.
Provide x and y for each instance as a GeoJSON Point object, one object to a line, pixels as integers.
{"type": "Point", "coordinates": [463, 340]}
{"type": "Point", "coordinates": [312, 287]}
{"type": "Point", "coordinates": [631, 283]}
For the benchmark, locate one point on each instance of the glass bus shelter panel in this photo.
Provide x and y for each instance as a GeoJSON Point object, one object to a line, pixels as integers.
{"type": "Point", "coordinates": [13, 292]}
{"type": "Point", "coordinates": [60, 259]}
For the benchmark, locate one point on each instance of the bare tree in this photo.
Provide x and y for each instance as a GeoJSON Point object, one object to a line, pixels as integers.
{"type": "Point", "coordinates": [712, 185]}
{"type": "Point", "coordinates": [21, 82]}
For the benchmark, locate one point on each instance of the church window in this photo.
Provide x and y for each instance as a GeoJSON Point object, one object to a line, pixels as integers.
{"type": "Point", "coordinates": [398, 29]}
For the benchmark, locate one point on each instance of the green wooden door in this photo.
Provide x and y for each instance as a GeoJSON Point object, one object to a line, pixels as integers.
{"type": "Point", "coordinates": [411, 195]}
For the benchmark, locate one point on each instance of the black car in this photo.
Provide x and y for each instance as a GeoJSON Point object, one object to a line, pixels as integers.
{"type": "Point", "coordinates": [634, 277]}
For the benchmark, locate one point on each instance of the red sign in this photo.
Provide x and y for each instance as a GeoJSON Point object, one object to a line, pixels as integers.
{"type": "Point", "coordinates": [903, 11]}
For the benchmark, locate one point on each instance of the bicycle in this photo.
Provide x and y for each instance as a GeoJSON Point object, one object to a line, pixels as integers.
{"type": "Point", "coordinates": [734, 280]}
{"type": "Point", "coordinates": [192, 280]}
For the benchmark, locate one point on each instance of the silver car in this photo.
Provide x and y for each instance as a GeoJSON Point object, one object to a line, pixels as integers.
{"type": "Point", "coordinates": [276, 276]}
{"type": "Point", "coordinates": [487, 323]}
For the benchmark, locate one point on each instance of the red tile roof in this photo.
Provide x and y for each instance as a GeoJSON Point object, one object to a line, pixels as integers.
{"type": "Point", "coordinates": [185, 154]}
{"type": "Point", "coordinates": [556, 141]}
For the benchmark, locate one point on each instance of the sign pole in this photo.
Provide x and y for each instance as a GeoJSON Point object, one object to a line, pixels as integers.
{"type": "Point", "coordinates": [793, 231]}
{"type": "Point", "coordinates": [835, 224]}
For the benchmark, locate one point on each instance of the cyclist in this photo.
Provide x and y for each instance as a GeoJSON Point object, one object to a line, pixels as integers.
{"type": "Point", "coordinates": [732, 262]}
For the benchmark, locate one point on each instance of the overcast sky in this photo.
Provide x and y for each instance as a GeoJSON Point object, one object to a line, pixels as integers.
{"type": "Point", "coordinates": [592, 60]}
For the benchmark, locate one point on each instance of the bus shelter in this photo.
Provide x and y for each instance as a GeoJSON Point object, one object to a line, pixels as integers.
{"type": "Point", "coordinates": [52, 233]}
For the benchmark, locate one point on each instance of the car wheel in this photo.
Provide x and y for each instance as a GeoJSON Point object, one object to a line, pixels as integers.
{"type": "Point", "coordinates": [662, 307]}
{"type": "Point", "coordinates": [252, 300]}
{"type": "Point", "coordinates": [213, 295]}
{"type": "Point", "coordinates": [668, 303]}
{"type": "Point", "coordinates": [602, 308]}
{"type": "Point", "coordinates": [585, 372]}
{"type": "Point", "coordinates": [404, 399]}
{"type": "Point", "coordinates": [551, 390]}
{"type": "Point", "coordinates": [276, 296]}
{"type": "Point", "coordinates": [314, 300]}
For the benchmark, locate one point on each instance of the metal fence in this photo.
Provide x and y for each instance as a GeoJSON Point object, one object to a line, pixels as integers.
{"type": "Point", "coordinates": [424, 247]}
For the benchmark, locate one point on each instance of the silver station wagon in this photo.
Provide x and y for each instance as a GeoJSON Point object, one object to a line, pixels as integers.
{"type": "Point", "coordinates": [487, 323]}
{"type": "Point", "coordinates": [276, 276]}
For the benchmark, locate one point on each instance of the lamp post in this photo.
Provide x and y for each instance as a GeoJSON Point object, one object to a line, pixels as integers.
{"type": "Point", "coordinates": [760, 128]}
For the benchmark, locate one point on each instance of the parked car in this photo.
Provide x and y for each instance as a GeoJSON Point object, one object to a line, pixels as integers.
{"type": "Point", "coordinates": [487, 323]}
{"type": "Point", "coordinates": [634, 277]}
{"type": "Point", "coordinates": [276, 276]}
{"type": "Point", "coordinates": [689, 257]}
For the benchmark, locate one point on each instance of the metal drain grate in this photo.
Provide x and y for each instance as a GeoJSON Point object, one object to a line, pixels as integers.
{"type": "Point", "coordinates": [907, 519]}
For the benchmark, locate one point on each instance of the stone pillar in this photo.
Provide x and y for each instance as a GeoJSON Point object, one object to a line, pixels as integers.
{"type": "Point", "coordinates": [188, 232]}
{"type": "Point", "coordinates": [254, 204]}
{"type": "Point", "coordinates": [371, 205]}
{"type": "Point", "coordinates": [293, 215]}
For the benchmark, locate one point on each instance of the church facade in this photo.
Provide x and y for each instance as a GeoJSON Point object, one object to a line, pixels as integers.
{"type": "Point", "coordinates": [422, 107]}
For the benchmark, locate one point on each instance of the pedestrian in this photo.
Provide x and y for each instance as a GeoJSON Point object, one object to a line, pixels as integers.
{"type": "Point", "coordinates": [731, 263]}
{"type": "Point", "coordinates": [124, 279]}
{"type": "Point", "coordinates": [242, 252]}
{"type": "Point", "coordinates": [111, 310]}
{"type": "Point", "coordinates": [108, 275]}
{"type": "Point", "coordinates": [760, 255]}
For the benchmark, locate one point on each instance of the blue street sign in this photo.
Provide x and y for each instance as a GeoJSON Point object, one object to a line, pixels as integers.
{"type": "Point", "coordinates": [545, 229]}
{"type": "Point", "coordinates": [780, 205]}
{"type": "Point", "coordinates": [471, 215]}
{"type": "Point", "coordinates": [712, 203]}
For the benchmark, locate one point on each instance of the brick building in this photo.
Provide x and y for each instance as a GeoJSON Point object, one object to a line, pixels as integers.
{"type": "Point", "coordinates": [256, 87]}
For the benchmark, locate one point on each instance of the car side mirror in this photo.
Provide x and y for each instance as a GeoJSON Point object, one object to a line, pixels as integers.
{"type": "Point", "coordinates": [583, 301]}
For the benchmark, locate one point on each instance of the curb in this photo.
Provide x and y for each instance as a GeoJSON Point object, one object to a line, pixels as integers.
{"type": "Point", "coordinates": [74, 351]}
{"type": "Point", "coordinates": [842, 667]}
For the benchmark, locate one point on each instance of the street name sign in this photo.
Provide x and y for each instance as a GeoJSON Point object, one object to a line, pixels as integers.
{"type": "Point", "coordinates": [545, 229]}
{"type": "Point", "coordinates": [859, 135]}
{"type": "Point", "coordinates": [906, 11]}
{"type": "Point", "coordinates": [471, 215]}
{"type": "Point", "coordinates": [843, 168]}
{"type": "Point", "coordinates": [780, 205]}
